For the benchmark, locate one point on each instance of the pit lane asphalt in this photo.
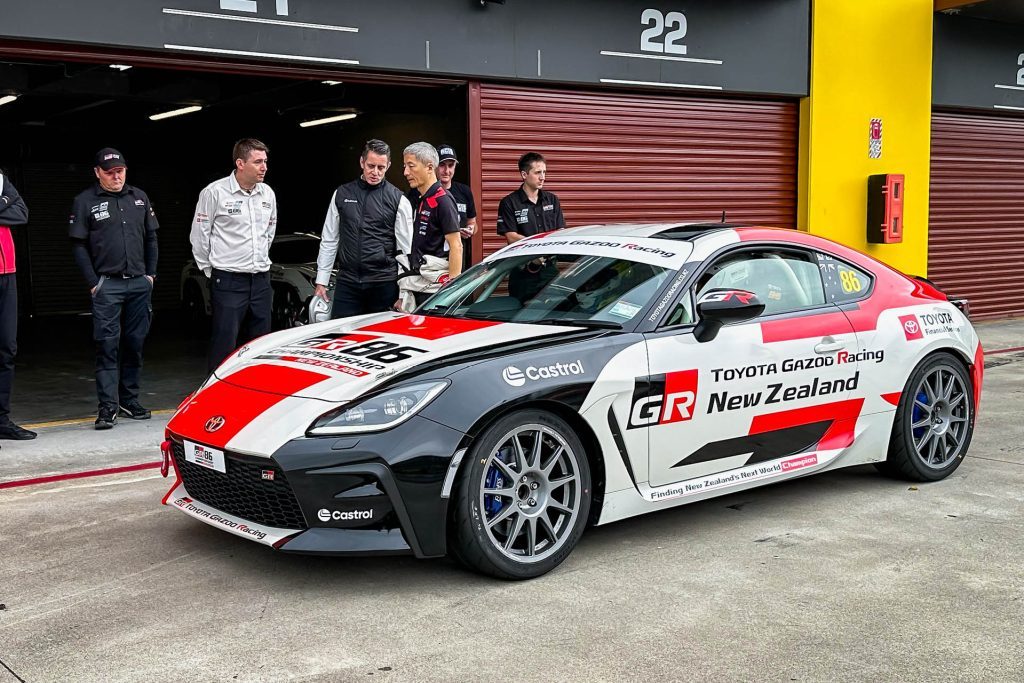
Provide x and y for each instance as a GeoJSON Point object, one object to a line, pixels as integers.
{"type": "Point", "coordinates": [846, 576]}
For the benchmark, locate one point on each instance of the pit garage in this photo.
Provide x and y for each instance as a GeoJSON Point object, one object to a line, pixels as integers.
{"type": "Point", "coordinates": [176, 128]}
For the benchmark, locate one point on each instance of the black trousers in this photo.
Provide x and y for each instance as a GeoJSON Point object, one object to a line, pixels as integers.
{"type": "Point", "coordinates": [121, 314]}
{"type": "Point", "coordinates": [8, 341]}
{"type": "Point", "coordinates": [353, 298]}
{"type": "Point", "coordinates": [241, 304]}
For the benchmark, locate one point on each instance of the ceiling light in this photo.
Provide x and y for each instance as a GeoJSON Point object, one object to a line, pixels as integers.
{"type": "Point", "coordinates": [331, 82]}
{"type": "Point", "coordinates": [329, 119]}
{"type": "Point", "coordinates": [175, 112]}
{"type": "Point", "coordinates": [7, 99]}
{"type": "Point", "coordinates": [121, 67]}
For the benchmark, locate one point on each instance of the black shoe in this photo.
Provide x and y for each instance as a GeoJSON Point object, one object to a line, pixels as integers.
{"type": "Point", "coordinates": [134, 410]}
{"type": "Point", "coordinates": [106, 419]}
{"type": "Point", "coordinates": [13, 431]}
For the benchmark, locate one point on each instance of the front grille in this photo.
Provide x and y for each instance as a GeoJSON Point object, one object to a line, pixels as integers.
{"type": "Point", "coordinates": [242, 491]}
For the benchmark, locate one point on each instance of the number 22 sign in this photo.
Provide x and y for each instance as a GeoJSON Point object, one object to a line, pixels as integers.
{"type": "Point", "coordinates": [650, 39]}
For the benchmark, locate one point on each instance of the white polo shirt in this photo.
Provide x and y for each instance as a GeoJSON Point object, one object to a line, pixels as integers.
{"type": "Point", "coordinates": [233, 229]}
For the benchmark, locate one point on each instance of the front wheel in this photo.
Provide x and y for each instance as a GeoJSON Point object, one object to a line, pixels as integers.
{"type": "Point", "coordinates": [934, 421]}
{"type": "Point", "coordinates": [523, 497]}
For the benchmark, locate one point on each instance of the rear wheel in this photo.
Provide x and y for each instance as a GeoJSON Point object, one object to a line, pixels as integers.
{"type": "Point", "coordinates": [287, 308]}
{"type": "Point", "coordinates": [523, 498]}
{"type": "Point", "coordinates": [934, 421]}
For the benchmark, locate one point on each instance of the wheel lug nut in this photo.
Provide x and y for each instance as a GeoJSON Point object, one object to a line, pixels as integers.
{"type": "Point", "coordinates": [532, 501]}
{"type": "Point", "coordinates": [534, 486]}
{"type": "Point", "coordinates": [523, 479]}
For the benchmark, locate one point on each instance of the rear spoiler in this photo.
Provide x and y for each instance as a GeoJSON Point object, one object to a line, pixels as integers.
{"type": "Point", "coordinates": [963, 304]}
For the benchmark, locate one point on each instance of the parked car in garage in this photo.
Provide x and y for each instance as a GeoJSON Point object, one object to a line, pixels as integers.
{"type": "Point", "coordinates": [292, 276]}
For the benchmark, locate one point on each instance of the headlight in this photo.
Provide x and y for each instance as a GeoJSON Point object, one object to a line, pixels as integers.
{"type": "Point", "coordinates": [382, 411]}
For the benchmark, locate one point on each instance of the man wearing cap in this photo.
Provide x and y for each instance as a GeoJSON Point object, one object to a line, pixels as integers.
{"type": "Point", "coordinates": [233, 228]}
{"type": "Point", "coordinates": [461, 193]}
{"type": "Point", "coordinates": [113, 237]}
{"type": "Point", "coordinates": [13, 212]}
{"type": "Point", "coordinates": [530, 210]}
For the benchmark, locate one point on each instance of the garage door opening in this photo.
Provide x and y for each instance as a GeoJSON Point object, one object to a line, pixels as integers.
{"type": "Point", "coordinates": [65, 112]}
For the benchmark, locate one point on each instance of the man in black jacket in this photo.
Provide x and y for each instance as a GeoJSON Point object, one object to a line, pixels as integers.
{"type": "Point", "coordinates": [113, 236]}
{"type": "Point", "coordinates": [368, 224]}
{"type": "Point", "coordinates": [12, 212]}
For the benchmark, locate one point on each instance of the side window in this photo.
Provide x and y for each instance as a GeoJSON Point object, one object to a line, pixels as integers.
{"type": "Point", "coordinates": [682, 314]}
{"type": "Point", "coordinates": [784, 281]}
{"type": "Point", "coordinates": [843, 282]}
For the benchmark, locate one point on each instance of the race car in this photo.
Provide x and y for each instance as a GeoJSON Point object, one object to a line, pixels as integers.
{"type": "Point", "coordinates": [292, 278]}
{"type": "Point", "coordinates": [573, 378]}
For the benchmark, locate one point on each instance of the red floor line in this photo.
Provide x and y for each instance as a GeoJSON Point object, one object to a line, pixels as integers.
{"type": "Point", "coordinates": [77, 475]}
{"type": "Point", "coordinates": [1015, 348]}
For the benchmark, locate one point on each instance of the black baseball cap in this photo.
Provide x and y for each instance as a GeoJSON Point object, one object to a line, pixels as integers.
{"type": "Point", "coordinates": [446, 152]}
{"type": "Point", "coordinates": [108, 158]}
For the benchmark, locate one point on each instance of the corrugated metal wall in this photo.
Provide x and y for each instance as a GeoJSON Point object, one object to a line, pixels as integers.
{"type": "Point", "coordinates": [637, 158]}
{"type": "Point", "coordinates": [976, 214]}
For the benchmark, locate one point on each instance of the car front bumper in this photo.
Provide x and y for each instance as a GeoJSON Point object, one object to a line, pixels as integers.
{"type": "Point", "coordinates": [367, 494]}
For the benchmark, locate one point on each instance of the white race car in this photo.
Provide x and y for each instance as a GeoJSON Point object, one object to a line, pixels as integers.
{"type": "Point", "coordinates": [578, 377]}
{"type": "Point", "coordinates": [292, 277]}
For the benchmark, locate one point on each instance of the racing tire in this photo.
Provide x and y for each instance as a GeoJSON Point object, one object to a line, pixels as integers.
{"type": "Point", "coordinates": [523, 497]}
{"type": "Point", "coordinates": [286, 309]}
{"type": "Point", "coordinates": [934, 421]}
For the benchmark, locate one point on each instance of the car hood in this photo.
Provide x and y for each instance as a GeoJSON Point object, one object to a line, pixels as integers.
{"type": "Point", "coordinates": [339, 360]}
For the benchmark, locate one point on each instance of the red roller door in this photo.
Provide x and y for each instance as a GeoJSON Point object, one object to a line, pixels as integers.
{"type": "Point", "coordinates": [976, 217]}
{"type": "Point", "coordinates": [641, 158]}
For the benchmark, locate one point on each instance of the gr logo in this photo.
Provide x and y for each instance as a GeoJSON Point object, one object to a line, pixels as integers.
{"type": "Point", "coordinates": [663, 399]}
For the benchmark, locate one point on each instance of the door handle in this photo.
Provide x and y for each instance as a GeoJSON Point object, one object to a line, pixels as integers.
{"type": "Point", "coordinates": [827, 345]}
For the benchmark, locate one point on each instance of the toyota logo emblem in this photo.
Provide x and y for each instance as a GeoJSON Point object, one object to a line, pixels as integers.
{"type": "Point", "coordinates": [214, 423]}
{"type": "Point", "coordinates": [911, 326]}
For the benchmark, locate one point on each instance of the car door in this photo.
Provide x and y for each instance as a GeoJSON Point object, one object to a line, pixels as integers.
{"type": "Point", "coordinates": [759, 398]}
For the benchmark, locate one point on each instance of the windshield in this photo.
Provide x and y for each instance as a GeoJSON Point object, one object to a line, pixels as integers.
{"type": "Point", "coordinates": [295, 250]}
{"type": "Point", "coordinates": [566, 288]}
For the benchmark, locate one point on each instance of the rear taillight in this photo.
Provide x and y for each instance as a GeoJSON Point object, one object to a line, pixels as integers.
{"type": "Point", "coordinates": [963, 304]}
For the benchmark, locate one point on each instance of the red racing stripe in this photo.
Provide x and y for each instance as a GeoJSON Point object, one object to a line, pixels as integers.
{"type": "Point", "coordinates": [428, 327]}
{"type": "Point", "coordinates": [17, 483]}
{"type": "Point", "coordinates": [893, 398]}
{"type": "Point", "coordinates": [239, 406]}
{"type": "Point", "coordinates": [978, 375]}
{"type": "Point", "coordinates": [842, 413]}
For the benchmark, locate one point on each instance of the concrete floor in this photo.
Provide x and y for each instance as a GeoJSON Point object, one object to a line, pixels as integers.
{"type": "Point", "coordinates": [847, 576]}
{"type": "Point", "coordinates": [54, 370]}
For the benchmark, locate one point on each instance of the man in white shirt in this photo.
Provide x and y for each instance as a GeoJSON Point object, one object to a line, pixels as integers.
{"type": "Point", "coordinates": [232, 231]}
{"type": "Point", "coordinates": [368, 225]}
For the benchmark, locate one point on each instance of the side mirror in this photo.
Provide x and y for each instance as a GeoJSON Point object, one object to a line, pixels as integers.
{"type": "Point", "coordinates": [719, 307]}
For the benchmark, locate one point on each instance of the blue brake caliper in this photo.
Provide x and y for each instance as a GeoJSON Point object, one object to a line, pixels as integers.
{"type": "Point", "coordinates": [917, 414]}
{"type": "Point", "coordinates": [493, 480]}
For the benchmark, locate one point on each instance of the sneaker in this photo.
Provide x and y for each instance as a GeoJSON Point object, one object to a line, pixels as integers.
{"type": "Point", "coordinates": [13, 431]}
{"type": "Point", "coordinates": [106, 419]}
{"type": "Point", "coordinates": [134, 410]}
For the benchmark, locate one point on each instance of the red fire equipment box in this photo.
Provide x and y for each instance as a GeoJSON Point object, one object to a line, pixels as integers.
{"type": "Point", "coordinates": [885, 208]}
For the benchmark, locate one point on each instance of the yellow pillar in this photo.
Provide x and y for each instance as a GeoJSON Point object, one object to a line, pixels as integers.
{"type": "Point", "coordinates": [869, 59]}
